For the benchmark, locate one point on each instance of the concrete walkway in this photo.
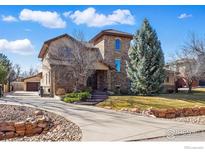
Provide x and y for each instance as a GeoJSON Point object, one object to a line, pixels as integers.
{"type": "Point", "coordinates": [104, 125]}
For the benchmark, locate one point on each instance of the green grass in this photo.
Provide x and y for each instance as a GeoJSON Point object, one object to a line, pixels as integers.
{"type": "Point", "coordinates": [162, 101]}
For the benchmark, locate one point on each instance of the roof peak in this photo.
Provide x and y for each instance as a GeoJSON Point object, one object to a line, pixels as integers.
{"type": "Point", "coordinates": [111, 32]}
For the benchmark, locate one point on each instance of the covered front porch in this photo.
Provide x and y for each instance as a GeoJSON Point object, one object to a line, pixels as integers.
{"type": "Point", "coordinates": [101, 78]}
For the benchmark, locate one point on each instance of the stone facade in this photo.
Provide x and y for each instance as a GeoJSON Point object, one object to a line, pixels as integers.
{"type": "Point", "coordinates": [106, 44]}
{"type": "Point", "coordinates": [56, 82]}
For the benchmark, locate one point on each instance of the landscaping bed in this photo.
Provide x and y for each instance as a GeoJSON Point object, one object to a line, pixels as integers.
{"type": "Point", "coordinates": [161, 106]}
{"type": "Point", "coordinates": [25, 120]}
{"type": "Point", "coordinates": [76, 96]}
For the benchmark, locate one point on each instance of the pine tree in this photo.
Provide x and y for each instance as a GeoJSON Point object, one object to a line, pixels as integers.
{"type": "Point", "coordinates": [146, 62]}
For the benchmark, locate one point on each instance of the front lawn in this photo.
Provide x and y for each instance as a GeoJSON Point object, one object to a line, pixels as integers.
{"type": "Point", "coordinates": [162, 101]}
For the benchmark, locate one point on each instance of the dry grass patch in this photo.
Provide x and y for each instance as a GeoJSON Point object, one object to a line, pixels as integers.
{"type": "Point", "coordinates": [163, 101]}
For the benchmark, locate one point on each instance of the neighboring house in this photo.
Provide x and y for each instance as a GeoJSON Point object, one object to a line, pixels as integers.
{"type": "Point", "coordinates": [182, 66]}
{"type": "Point", "coordinates": [110, 49]}
{"type": "Point", "coordinates": [169, 82]}
{"type": "Point", "coordinates": [17, 85]}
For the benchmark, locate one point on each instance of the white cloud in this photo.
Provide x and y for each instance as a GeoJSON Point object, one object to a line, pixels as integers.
{"type": "Point", "coordinates": [23, 47]}
{"type": "Point", "coordinates": [184, 15]}
{"type": "Point", "coordinates": [91, 18]}
{"type": "Point", "coordinates": [45, 18]}
{"type": "Point", "coordinates": [9, 18]}
{"type": "Point", "coordinates": [67, 14]}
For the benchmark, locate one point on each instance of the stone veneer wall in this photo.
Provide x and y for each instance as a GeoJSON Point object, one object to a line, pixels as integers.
{"type": "Point", "coordinates": [110, 54]}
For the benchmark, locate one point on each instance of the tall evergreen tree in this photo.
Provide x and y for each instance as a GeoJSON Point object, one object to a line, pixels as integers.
{"type": "Point", "coordinates": [5, 66]}
{"type": "Point", "coordinates": [146, 61]}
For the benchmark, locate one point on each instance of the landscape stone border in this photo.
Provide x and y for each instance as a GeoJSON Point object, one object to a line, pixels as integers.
{"type": "Point", "coordinates": [166, 113]}
{"type": "Point", "coordinates": [30, 127]}
{"type": "Point", "coordinates": [174, 113]}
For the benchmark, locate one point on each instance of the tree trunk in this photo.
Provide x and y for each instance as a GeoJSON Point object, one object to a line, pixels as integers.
{"type": "Point", "coordinates": [190, 88]}
{"type": "Point", "coordinates": [176, 87]}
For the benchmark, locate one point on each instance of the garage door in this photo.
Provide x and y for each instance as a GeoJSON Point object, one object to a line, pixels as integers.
{"type": "Point", "coordinates": [32, 86]}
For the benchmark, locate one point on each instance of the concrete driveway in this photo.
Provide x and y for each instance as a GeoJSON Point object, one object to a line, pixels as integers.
{"type": "Point", "coordinates": [104, 125]}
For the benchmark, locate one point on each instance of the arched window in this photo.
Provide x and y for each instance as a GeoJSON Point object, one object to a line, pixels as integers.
{"type": "Point", "coordinates": [117, 44]}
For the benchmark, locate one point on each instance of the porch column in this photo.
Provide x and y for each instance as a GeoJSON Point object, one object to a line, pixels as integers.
{"type": "Point", "coordinates": [109, 79]}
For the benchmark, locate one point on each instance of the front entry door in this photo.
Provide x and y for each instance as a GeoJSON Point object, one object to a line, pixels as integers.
{"type": "Point", "coordinates": [92, 81]}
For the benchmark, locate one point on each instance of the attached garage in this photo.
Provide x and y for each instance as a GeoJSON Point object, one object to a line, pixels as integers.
{"type": "Point", "coordinates": [32, 86]}
{"type": "Point", "coordinates": [32, 83]}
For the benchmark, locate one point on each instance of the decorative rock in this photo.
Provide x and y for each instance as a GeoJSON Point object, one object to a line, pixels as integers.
{"type": "Point", "coordinates": [171, 111]}
{"type": "Point", "coordinates": [196, 111]}
{"type": "Point", "coordinates": [20, 128]}
{"type": "Point", "coordinates": [42, 125]}
{"type": "Point", "coordinates": [154, 111]}
{"type": "Point", "coordinates": [7, 128]}
{"type": "Point", "coordinates": [9, 135]}
{"type": "Point", "coordinates": [136, 110]}
{"type": "Point", "coordinates": [170, 115]}
{"type": "Point", "coordinates": [188, 112]}
{"type": "Point", "coordinates": [202, 110]}
{"type": "Point", "coordinates": [38, 112]}
{"type": "Point", "coordinates": [37, 130]}
{"type": "Point", "coordinates": [34, 124]}
{"type": "Point", "coordinates": [20, 133]}
{"type": "Point", "coordinates": [179, 113]}
{"type": "Point", "coordinates": [7, 123]}
{"type": "Point", "coordinates": [41, 119]}
{"type": "Point", "coordinates": [108, 107]}
{"type": "Point", "coordinates": [1, 136]}
{"type": "Point", "coordinates": [29, 119]}
{"type": "Point", "coordinates": [29, 132]}
{"type": "Point", "coordinates": [161, 114]}
{"type": "Point", "coordinates": [19, 124]}
{"type": "Point", "coordinates": [31, 125]}
{"type": "Point", "coordinates": [124, 109]}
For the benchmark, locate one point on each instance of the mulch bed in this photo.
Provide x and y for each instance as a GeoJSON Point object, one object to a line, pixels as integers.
{"type": "Point", "coordinates": [62, 129]}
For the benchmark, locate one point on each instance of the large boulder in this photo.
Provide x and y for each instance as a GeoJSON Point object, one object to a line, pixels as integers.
{"type": "Point", "coordinates": [202, 110]}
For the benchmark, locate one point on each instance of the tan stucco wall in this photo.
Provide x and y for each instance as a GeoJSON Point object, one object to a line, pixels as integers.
{"type": "Point", "coordinates": [18, 86]}
{"type": "Point", "coordinates": [100, 43]}
{"type": "Point", "coordinates": [46, 73]}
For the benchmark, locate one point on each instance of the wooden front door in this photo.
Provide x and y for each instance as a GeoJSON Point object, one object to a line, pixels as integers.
{"type": "Point", "coordinates": [92, 81]}
{"type": "Point", "coordinates": [102, 80]}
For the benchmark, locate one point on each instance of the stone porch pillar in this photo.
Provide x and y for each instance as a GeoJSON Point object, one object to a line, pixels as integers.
{"type": "Point", "coordinates": [109, 79]}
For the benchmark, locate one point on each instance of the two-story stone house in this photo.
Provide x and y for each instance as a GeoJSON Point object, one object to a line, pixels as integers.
{"type": "Point", "coordinates": [109, 47]}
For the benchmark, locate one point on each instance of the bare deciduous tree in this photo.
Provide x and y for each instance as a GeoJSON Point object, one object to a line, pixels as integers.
{"type": "Point", "coordinates": [191, 61]}
{"type": "Point", "coordinates": [32, 71]}
{"type": "Point", "coordinates": [72, 59]}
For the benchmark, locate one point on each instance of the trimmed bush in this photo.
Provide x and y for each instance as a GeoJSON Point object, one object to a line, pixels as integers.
{"type": "Point", "coordinates": [76, 96]}
{"type": "Point", "coordinates": [70, 100]}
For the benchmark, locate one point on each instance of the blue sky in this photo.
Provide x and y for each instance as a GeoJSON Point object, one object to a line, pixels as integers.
{"type": "Point", "coordinates": [23, 29]}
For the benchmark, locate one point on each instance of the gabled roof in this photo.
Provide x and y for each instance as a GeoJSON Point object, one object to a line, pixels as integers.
{"type": "Point", "coordinates": [48, 42]}
{"type": "Point", "coordinates": [111, 32]}
{"type": "Point", "coordinates": [36, 75]}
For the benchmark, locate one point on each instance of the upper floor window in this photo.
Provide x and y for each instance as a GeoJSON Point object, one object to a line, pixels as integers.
{"type": "Point", "coordinates": [117, 64]}
{"type": "Point", "coordinates": [117, 44]}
